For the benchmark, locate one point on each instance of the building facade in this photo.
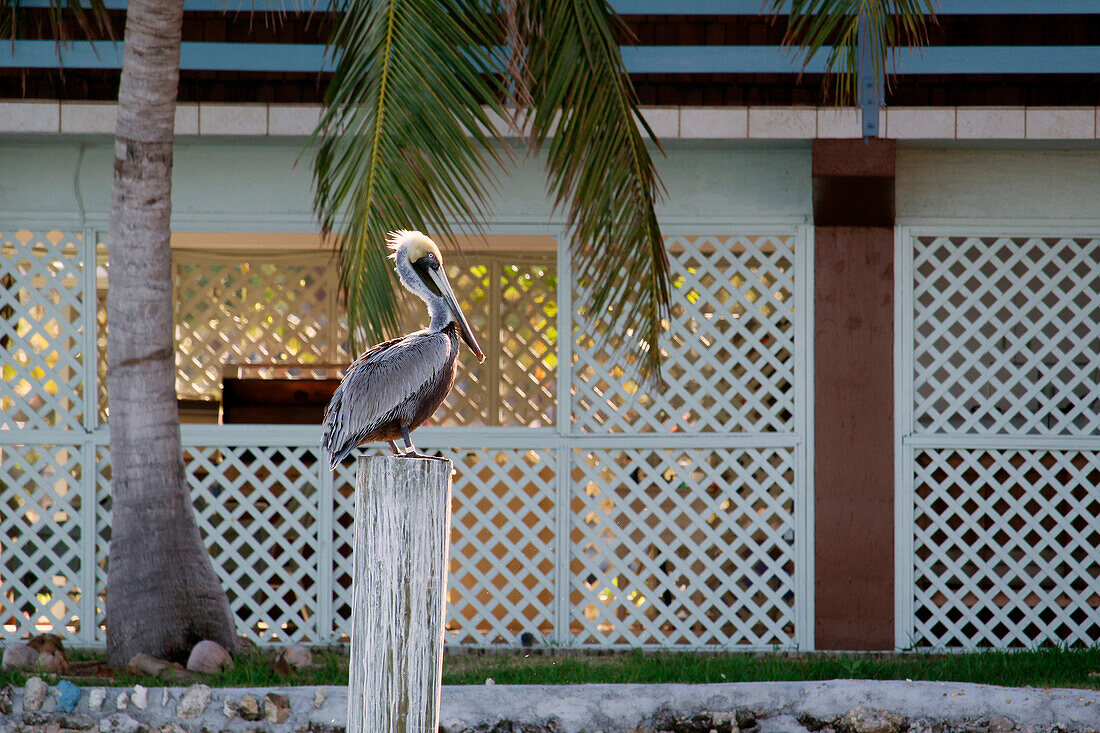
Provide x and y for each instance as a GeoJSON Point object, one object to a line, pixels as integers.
{"type": "Point", "coordinates": [880, 428]}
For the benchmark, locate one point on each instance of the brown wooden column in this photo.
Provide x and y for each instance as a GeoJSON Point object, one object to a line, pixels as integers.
{"type": "Point", "coordinates": [854, 393]}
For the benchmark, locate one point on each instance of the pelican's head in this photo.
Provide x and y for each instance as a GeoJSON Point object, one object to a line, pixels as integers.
{"type": "Point", "coordinates": [419, 265]}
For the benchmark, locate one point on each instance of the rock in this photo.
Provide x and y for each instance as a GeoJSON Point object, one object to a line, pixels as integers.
{"type": "Point", "coordinates": [229, 709]}
{"type": "Point", "coordinates": [276, 708]}
{"type": "Point", "coordinates": [747, 717]}
{"type": "Point", "coordinates": [69, 696]}
{"type": "Point", "coordinates": [140, 697]}
{"type": "Point", "coordinates": [7, 695]}
{"type": "Point", "coordinates": [120, 723]}
{"type": "Point", "coordinates": [1001, 724]}
{"type": "Point", "coordinates": [298, 656]}
{"type": "Point", "coordinates": [209, 657]}
{"type": "Point", "coordinates": [862, 720]}
{"type": "Point", "coordinates": [76, 721]}
{"type": "Point", "coordinates": [122, 700]}
{"type": "Point", "coordinates": [925, 725]}
{"type": "Point", "coordinates": [52, 662]}
{"type": "Point", "coordinates": [34, 692]}
{"type": "Point", "coordinates": [142, 663]}
{"type": "Point", "coordinates": [194, 701]}
{"type": "Point", "coordinates": [245, 645]}
{"type": "Point", "coordinates": [19, 656]}
{"type": "Point", "coordinates": [47, 643]}
{"type": "Point", "coordinates": [319, 696]}
{"type": "Point", "coordinates": [172, 728]}
{"type": "Point", "coordinates": [249, 708]}
{"type": "Point", "coordinates": [96, 698]}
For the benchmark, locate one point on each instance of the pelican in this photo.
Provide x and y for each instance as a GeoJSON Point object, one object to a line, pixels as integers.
{"type": "Point", "coordinates": [395, 386]}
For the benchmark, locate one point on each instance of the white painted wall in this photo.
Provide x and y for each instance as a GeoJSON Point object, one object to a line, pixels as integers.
{"type": "Point", "coordinates": [265, 184]}
{"type": "Point", "coordinates": [960, 185]}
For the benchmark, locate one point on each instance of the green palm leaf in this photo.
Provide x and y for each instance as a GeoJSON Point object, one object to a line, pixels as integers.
{"type": "Point", "coordinates": [55, 20]}
{"type": "Point", "coordinates": [815, 25]}
{"type": "Point", "coordinates": [405, 140]}
{"type": "Point", "coordinates": [586, 115]}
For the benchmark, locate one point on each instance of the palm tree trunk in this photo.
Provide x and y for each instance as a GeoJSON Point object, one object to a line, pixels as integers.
{"type": "Point", "coordinates": [162, 593]}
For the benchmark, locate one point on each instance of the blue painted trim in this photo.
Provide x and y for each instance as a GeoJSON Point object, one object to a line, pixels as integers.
{"type": "Point", "coordinates": [943, 7]}
{"type": "Point", "coordinates": [672, 7]}
{"type": "Point", "coordinates": [310, 58]}
{"type": "Point", "coordinates": [930, 60]}
{"type": "Point", "coordinates": [998, 60]}
{"type": "Point", "coordinates": [870, 85]}
{"type": "Point", "coordinates": [194, 56]}
{"type": "Point", "coordinates": [716, 60]}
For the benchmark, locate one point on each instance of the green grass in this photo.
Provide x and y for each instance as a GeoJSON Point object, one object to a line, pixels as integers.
{"type": "Point", "coordinates": [1041, 668]}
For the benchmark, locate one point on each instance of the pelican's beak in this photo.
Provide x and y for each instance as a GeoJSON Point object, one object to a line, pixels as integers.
{"type": "Point", "coordinates": [440, 279]}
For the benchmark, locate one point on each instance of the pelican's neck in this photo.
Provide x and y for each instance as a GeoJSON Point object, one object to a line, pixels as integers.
{"type": "Point", "coordinates": [441, 315]}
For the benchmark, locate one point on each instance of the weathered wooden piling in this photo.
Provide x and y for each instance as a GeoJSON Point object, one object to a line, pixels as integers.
{"type": "Point", "coordinates": [399, 585]}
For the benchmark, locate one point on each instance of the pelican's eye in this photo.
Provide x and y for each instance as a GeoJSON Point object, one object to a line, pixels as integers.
{"type": "Point", "coordinates": [422, 267]}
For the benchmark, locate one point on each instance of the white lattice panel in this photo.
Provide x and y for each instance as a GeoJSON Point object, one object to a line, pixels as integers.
{"type": "Point", "coordinates": [258, 512]}
{"type": "Point", "coordinates": [469, 402]}
{"type": "Point", "coordinates": [1005, 548]}
{"type": "Point", "coordinates": [528, 344]}
{"type": "Point", "coordinates": [1006, 335]}
{"type": "Point", "coordinates": [729, 350]}
{"type": "Point", "coordinates": [252, 310]}
{"type": "Point", "coordinates": [41, 329]}
{"type": "Point", "coordinates": [101, 333]}
{"type": "Point", "coordinates": [41, 552]}
{"type": "Point", "coordinates": [343, 544]}
{"type": "Point", "coordinates": [502, 554]}
{"type": "Point", "coordinates": [502, 547]}
{"type": "Point", "coordinates": [511, 303]}
{"type": "Point", "coordinates": [689, 548]}
{"type": "Point", "coordinates": [102, 529]}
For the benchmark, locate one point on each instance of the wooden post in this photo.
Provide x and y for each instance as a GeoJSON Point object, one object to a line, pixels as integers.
{"type": "Point", "coordinates": [399, 585]}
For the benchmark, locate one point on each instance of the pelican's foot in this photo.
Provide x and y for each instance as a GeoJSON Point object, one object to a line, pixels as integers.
{"type": "Point", "coordinates": [415, 454]}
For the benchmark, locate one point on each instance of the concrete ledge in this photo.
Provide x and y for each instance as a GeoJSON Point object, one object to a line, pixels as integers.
{"type": "Point", "coordinates": [762, 707]}
{"type": "Point", "coordinates": [670, 123]}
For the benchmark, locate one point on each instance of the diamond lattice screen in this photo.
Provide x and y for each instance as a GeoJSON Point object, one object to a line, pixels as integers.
{"type": "Point", "coordinates": [104, 502]}
{"type": "Point", "coordinates": [729, 351]}
{"type": "Point", "coordinates": [502, 547]}
{"type": "Point", "coordinates": [469, 402]}
{"type": "Point", "coordinates": [1007, 335]}
{"type": "Point", "coordinates": [258, 512]}
{"type": "Point", "coordinates": [41, 552]}
{"type": "Point", "coordinates": [511, 303]}
{"type": "Point", "coordinates": [253, 309]}
{"type": "Point", "coordinates": [1005, 548]}
{"type": "Point", "coordinates": [682, 547]}
{"type": "Point", "coordinates": [101, 332]}
{"type": "Point", "coordinates": [502, 553]}
{"type": "Point", "coordinates": [41, 329]}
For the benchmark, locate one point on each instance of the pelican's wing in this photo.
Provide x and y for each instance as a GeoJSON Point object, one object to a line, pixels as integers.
{"type": "Point", "coordinates": [377, 384]}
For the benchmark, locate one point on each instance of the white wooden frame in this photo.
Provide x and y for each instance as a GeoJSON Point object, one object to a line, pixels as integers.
{"type": "Point", "coordinates": [561, 439]}
{"type": "Point", "coordinates": [908, 442]}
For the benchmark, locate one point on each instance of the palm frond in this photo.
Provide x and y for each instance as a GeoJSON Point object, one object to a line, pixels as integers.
{"type": "Point", "coordinates": [55, 20]}
{"type": "Point", "coordinates": [814, 25]}
{"type": "Point", "coordinates": [586, 117]}
{"type": "Point", "coordinates": [406, 139]}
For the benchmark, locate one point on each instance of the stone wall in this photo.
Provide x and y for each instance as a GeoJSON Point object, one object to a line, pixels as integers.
{"type": "Point", "coordinates": [839, 706]}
